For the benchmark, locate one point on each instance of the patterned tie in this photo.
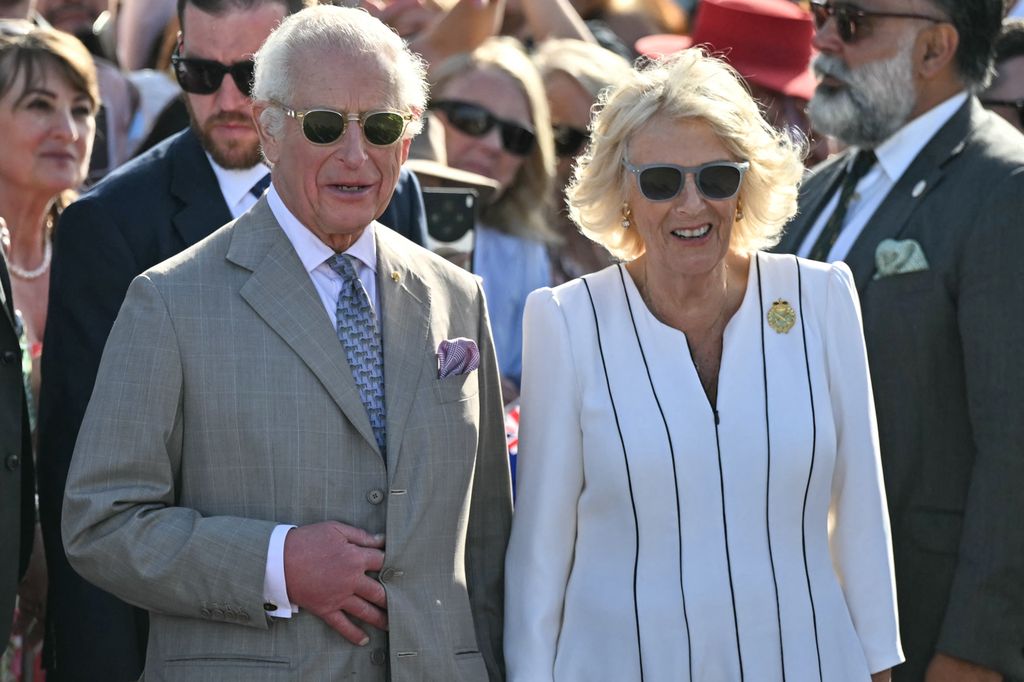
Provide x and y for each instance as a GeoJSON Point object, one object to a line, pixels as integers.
{"type": "Point", "coordinates": [360, 336]}
{"type": "Point", "coordinates": [861, 165]}
{"type": "Point", "coordinates": [260, 187]}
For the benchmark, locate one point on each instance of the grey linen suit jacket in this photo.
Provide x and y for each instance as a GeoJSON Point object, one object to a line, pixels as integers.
{"type": "Point", "coordinates": [945, 348]}
{"type": "Point", "coordinates": [224, 405]}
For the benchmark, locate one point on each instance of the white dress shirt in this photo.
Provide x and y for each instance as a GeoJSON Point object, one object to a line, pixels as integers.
{"type": "Point", "coordinates": [314, 255]}
{"type": "Point", "coordinates": [894, 157]}
{"type": "Point", "coordinates": [235, 185]}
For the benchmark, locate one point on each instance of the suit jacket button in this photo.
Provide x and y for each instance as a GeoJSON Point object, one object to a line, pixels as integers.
{"type": "Point", "coordinates": [12, 462]}
{"type": "Point", "coordinates": [378, 657]}
{"type": "Point", "coordinates": [9, 357]}
{"type": "Point", "coordinates": [387, 575]}
{"type": "Point", "coordinates": [375, 496]}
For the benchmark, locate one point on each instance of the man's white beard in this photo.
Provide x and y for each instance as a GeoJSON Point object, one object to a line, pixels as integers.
{"type": "Point", "coordinates": [874, 103]}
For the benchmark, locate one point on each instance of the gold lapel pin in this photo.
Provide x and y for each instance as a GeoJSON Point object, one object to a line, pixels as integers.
{"type": "Point", "coordinates": [781, 316]}
{"type": "Point", "coordinates": [395, 276]}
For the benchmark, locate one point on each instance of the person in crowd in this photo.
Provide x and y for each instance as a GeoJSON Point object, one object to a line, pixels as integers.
{"type": "Point", "coordinates": [1005, 95]}
{"type": "Point", "coordinates": [326, 381]}
{"type": "Point", "coordinates": [150, 209]}
{"type": "Point", "coordinates": [574, 72]}
{"type": "Point", "coordinates": [924, 206]}
{"type": "Point", "coordinates": [699, 485]}
{"type": "Point", "coordinates": [91, 21]}
{"type": "Point", "coordinates": [17, 484]}
{"type": "Point", "coordinates": [497, 124]}
{"type": "Point", "coordinates": [48, 101]}
{"type": "Point", "coordinates": [769, 43]}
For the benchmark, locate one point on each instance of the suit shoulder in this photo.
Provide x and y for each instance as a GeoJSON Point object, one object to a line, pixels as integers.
{"type": "Point", "coordinates": [814, 276]}
{"type": "Point", "coordinates": [139, 178]}
{"type": "Point", "coordinates": [191, 262]}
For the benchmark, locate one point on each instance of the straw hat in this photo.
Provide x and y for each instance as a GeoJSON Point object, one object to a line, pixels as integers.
{"type": "Point", "coordinates": [767, 41]}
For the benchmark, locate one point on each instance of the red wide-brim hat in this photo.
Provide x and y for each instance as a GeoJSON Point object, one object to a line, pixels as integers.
{"type": "Point", "coordinates": [767, 41]}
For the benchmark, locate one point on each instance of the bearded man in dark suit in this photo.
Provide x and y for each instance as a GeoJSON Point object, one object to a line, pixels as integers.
{"type": "Point", "coordinates": [925, 206]}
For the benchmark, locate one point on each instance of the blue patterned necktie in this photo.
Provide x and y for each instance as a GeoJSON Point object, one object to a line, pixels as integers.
{"type": "Point", "coordinates": [360, 336]}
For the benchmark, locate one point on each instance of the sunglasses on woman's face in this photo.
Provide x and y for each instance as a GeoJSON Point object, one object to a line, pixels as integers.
{"type": "Point", "coordinates": [326, 126]}
{"type": "Point", "coordinates": [204, 76]}
{"type": "Point", "coordinates": [664, 181]}
{"type": "Point", "coordinates": [568, 140]}
{"type": "Point", "coordinates": [851, 20]}
{"type": "Point", "coordinates": [475, 121]}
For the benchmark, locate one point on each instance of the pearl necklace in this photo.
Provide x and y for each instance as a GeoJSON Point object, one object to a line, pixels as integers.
{"type": "Point", "coordinates": [17, 270]}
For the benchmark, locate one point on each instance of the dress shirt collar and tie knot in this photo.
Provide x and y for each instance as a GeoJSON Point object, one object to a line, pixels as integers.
{"type": "Point", "coordinates": [862, 163]}
{"type": "Point", "coordinates": [260, 186]}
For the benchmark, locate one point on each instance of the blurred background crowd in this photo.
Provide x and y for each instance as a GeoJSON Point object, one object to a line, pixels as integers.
{"type": "Point", "coordinates": [86, 86]}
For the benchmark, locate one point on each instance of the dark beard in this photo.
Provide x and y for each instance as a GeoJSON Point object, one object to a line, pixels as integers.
{"type": "Point", "coordinates": [233, 156]}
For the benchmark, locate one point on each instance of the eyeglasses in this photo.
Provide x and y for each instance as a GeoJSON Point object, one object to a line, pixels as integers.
{"type": "Point", "coordinates": [204, 76]}
{"type": "Point", "coordinates": [1015, 104]}
{"type": "Point", "coordinates": [326, 126]}
{"type": "Point", "coordinates": [850, 19]}
{"type": "Point", "coordinates": [664, 181]}
{"type": "Point", "coordinates": [569, 140]}
{"type": "Point", "coordinates": [474, 120]}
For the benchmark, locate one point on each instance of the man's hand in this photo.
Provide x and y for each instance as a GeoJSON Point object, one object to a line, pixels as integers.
{"type": "Point", "coordinates": [325, 567]}
{"type": "Point", "coordinates": [945, 668]}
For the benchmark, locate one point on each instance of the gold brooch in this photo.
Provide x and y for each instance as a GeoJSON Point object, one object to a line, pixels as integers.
{"type": "Point", "coordinates": [395, 276]}
{"type": "Point", "coordinates": [781, 316]}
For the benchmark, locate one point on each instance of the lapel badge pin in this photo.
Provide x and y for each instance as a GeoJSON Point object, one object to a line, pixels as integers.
{"type": "Point", "coordinates": [781, 316]}
{"type": "Point", "coordinates": [395, 276]}
{"type": "Point", "coordinates": [918, 188]}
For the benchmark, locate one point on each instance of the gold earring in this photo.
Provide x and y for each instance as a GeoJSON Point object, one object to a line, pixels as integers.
{"type": "Point", "coordinates": [739, 211]}
{"type": "Point", "coordinates": [626, 213]}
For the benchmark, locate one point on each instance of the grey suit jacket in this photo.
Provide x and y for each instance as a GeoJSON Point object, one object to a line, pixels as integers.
{"type": "Point", "coordinates": [224, 405]}
{"type": "Point", "coordinates": [945, 347]}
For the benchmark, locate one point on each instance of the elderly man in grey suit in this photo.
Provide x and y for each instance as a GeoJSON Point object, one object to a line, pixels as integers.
{"type": "Point", "coordinates": [294, 455]}
{"type": "Point", "coordinates": [926, 206]}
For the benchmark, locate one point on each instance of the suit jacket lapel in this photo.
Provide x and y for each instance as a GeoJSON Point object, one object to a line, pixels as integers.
{"type": "Point", "coordinates": [405, 307]}
{"type": "Point", "coordinates": [281, 292]}
{"type": "Point", "coordinates": [195, 185]}
{"type": "Point", "coordinates": [817, 189]}
{"type": "Point", "coordinates": [6, 300]}
{"type": "Point", "coordinates": [923, 176]}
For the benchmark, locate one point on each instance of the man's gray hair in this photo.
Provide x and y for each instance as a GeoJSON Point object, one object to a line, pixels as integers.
{"type": "Point", "coordinates": [324, 29]}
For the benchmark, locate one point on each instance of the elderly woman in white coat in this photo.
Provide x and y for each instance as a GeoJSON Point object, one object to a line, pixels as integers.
{"type": "Point", "coordinates": [700, 493]}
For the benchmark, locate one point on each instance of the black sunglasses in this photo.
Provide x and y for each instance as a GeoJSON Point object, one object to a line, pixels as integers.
{"type": "Point", "coordinates": [569, 140]}
{"type": "Point", "coordinates": [850, 19]}
{"type": "Point", "coordinates": [474, 120]}
{"type": "Point", "coordinates": [326, 126]}
{"type": "Point", "coordinates": [664, 181]}
{"type": "Point", "coordinates": [1015, 104]}
{"type": "Point", "coordinates": [204, 76]}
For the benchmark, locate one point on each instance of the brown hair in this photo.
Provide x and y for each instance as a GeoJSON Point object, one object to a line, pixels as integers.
{"type": "Point", "coordinates": [29, 50]}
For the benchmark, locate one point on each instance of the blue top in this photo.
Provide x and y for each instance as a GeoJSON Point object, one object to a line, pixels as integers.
{"type": "Point", "coordinates": [511, 267]}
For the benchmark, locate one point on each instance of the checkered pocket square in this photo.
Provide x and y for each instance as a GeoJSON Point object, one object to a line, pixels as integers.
{"type": "Point", "coordinates": [899, 257]}
{"type": "Point", "coordinates": [457, 356]}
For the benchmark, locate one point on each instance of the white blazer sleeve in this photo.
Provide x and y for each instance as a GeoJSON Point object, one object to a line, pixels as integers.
{"type": "Point", "coordinates": [860, 541]}
{"type": "Point", "coordinates": [549, 483]}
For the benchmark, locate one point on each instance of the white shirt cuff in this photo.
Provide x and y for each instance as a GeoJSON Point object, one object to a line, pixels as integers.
{"type": "Point", "coordinates": [275, 591]}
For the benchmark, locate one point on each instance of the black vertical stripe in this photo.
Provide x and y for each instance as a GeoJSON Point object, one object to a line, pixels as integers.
{"type": "Point", "coordinates": [728, 558]}
{"type": "Point", "coordinates": [675, 473]}
{"type": "Point", "coordinates": [810, 470]}
{"type": "Point", "coordinates": [629, 480]}
{"type": "Point", "coordinates": [768, 474]}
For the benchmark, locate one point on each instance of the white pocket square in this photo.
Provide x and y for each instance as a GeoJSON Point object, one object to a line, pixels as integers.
{"type": "Point", "coordinates": [899, 257]}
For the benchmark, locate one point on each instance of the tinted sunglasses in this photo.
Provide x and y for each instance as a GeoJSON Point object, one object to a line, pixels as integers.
{"type": "Point", "coordinates": [850, 19]}
{"type": "Point", "coordinates": [664, 181]}
{"type": "Point", "coordinates": [474, 120]}
{"type": "Point", "coordinates": [204, 76]}
{"type": "Point", "coordinates": [1015, 104]}
{"type": "Point", "coordinates": [569, 140]}
{"type": "Point", "coordinates": [326, 126]}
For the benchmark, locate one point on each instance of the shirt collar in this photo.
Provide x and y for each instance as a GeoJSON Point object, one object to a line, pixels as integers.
{"type": "Point", "coordinates": [897, 153]}
{"type": "Point", "coordinates": [313, 252]}
{"type": "Point", "coordinates": [234, 183]}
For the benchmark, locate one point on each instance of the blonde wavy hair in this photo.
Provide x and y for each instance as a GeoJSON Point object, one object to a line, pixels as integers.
{"type": "Point", "coordinates": [686, 85]}
{"type": "Point", "coordinates": [524, 207]}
